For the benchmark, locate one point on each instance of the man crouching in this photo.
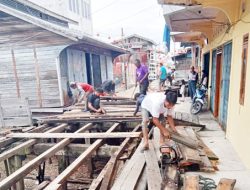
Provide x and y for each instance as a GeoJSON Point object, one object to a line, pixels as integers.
{"type": "Point", "coordinates": [156, 104]}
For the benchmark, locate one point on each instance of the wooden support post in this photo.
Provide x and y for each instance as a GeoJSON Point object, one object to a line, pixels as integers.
{"type": "Point", "coordinates": [15, 163]}
{"type": "Point", "coordinates": [23, 171]}
{"type": "Point", "coordinates": [71, 169]}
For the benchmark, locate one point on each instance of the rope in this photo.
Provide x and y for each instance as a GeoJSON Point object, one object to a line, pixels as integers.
{"type": "Point", "coordinates": [207, 183]}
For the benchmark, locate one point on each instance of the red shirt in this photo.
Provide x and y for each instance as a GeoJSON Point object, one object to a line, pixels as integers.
{"type": "Point", "coordinates": [86, 87]}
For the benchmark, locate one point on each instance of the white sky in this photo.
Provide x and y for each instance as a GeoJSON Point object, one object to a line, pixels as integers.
{"type": "Point", "coordinates": [143, 17]}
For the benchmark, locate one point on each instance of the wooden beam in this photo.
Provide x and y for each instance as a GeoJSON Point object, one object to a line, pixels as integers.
{"type": "Point", "coordinates": [15, 73]}
{"type": "Point", "coordinates": [76, 136]}
{"type": "Point", "coordinates": [100, 120]}
{"type": "Point", "coordinates": [8, 141]}
{"type": "Point", "coordinates": [111, 168]}
{"type": "Point", "coordinates": [77, 163]}
{"type": "Point", "coordinates": [74, 149]}
{"type": "Point", "coordinates": [9, 153]}
{"type": "Point", "coordinates": [38, 82]}
{"type": "Point", "coordinates": [27, 168]}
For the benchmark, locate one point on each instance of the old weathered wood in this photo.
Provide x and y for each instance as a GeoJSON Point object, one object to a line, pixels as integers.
{"type": "Point", "coordinates": [142, 181]}
{"type": "Point", "coordinates": [184, 140]}
{"type": "Point", "coordinates": [111, 168]}
{"type": "Point", "coordinates": [7, 141]}
{"type": "Point", "coordinates": [154, 178]}
{"type": "Point", "coordinates": [37, 75]}
{"type": "Point", "coordinates": [24, 170]}
{"type": "Point", "coordinates": [42, 185]}
{"type": "Point", "coordinates": [15, 163]}
{"type": "Point", "coordinates": [226, 184]}
{"type": "Point", "coordinates": [129, 176]}
{"type": "Point", "coordinates": [191, 182]}
{"type": "Point", "coordinates": [7, 154]}
{"type": "Point", "coordinates": [73, 166]}
{"type": "Point", "coordinates": [189, 155]}
{"type": "Point", "coordinates": [73, 149]}
{"type": "Point", "coordinates": [76, 136]}
{"type": "Point", "coordinates": [99, 120]}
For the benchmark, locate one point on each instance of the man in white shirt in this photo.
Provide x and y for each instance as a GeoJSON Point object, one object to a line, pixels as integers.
{"type": "Point", "coordinates": [158, 104]}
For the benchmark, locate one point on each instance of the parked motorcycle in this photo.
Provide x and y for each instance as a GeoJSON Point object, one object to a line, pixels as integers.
{"type": "Point", "coordinates": [199, 99]}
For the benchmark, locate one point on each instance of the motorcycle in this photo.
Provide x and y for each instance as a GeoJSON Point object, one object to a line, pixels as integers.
{"type": "Point", "coordinates": [199, 99]}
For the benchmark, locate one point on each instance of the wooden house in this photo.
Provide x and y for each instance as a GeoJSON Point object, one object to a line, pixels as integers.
{"type": "Point", "coordinates": [40, 55]}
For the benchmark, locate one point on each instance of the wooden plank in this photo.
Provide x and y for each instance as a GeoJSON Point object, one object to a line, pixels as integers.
{"type": "Point", "coordinates": [24, 170]}
{"type": "Point", "coordinates": [38, 82]}
{"type": "Point", "coordinates": [15, 73]}
{"type": "Point", "coordinates": [75, 136]}
{"type": "Point", "coordinates": [129, 176]}
{"type": "Point", "coordinates": [154, 178]}
{"type": "Point", "coordinates": [77, 163]}
{"type": "Point", "coordinates": [110, 170]}
{"type": "Point", "coordinates": [226, 184]}
{"type": "Point", "coordinates": [7, 154]}
{"type": "Point", "coordinates": [191, 182]}
{"type": "Point", "coordinates": [73, 149]}
{"type": "Point", "coordinates": [142, 182]}
{"type": "Point", "coordinates": [189, 155]}
{"type": "Point", "coordinates": [7, 141]}
{"type": "Point", "coordinates": [42, 185]}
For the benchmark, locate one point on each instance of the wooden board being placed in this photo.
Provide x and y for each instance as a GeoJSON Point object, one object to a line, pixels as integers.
{"type": "Point", "coordinates": [189, 155]}
{"type": "Point", "coordinates": [226, 184]}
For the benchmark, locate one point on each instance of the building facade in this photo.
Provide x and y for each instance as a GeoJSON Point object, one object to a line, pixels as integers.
{"type": "Point", "coordinates": [76, 10]}
{"type": "Point", "coordinates": [40, 55]}
{"type": "Point", "coordinates": [225, 28]}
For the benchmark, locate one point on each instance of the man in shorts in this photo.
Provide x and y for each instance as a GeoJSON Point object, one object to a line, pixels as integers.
{"type": "Point", "coordinates": [157, 104]}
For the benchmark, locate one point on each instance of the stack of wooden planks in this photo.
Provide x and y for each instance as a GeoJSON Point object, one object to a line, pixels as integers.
{"type": "Point", "coordinates": [142, 171]}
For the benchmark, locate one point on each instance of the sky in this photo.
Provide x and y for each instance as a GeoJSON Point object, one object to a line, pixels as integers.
{"type": "Point", "coordinates": [142, 17]}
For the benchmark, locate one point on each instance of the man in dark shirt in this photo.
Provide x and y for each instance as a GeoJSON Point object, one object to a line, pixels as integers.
{"type": "Point", "coordinates": [94, 102]}
{"type": "Point", "coordinates": [109, 87]}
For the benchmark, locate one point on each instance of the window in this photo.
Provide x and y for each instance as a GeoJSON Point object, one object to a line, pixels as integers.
{"type": "Point", "coordinates": [243, 68]}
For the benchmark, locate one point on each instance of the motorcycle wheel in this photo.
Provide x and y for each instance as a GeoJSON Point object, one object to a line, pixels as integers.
{"type": "Point", "coordinates": [196, 107]}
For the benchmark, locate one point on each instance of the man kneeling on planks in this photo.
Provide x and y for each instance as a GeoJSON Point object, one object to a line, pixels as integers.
{"type": "Point", "coordinates": [93, 102]}
{"type": "Point", "coordinates": [158, 105]}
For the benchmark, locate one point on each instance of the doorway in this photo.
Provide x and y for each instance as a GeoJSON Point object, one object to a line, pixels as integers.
{"type": "Point", "coordinates": [88, 68]}
{"type": "Point", "coordinates": [97, 70]}
{"type": "Point", "coordinates": [206, 65]}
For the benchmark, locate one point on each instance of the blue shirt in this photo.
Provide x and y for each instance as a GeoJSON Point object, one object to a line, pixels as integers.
{"type": "Point", "coordinates": [163, 73]}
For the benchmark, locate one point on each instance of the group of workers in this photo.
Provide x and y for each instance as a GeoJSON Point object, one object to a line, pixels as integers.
{"type": "Point", "coordinates": [92, 96]}
{"type": "Point", "coordinates": [156, 105]}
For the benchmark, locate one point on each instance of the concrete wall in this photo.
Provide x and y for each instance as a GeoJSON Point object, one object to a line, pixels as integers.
{"type": "Point", "coordinates": [238, 122]}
